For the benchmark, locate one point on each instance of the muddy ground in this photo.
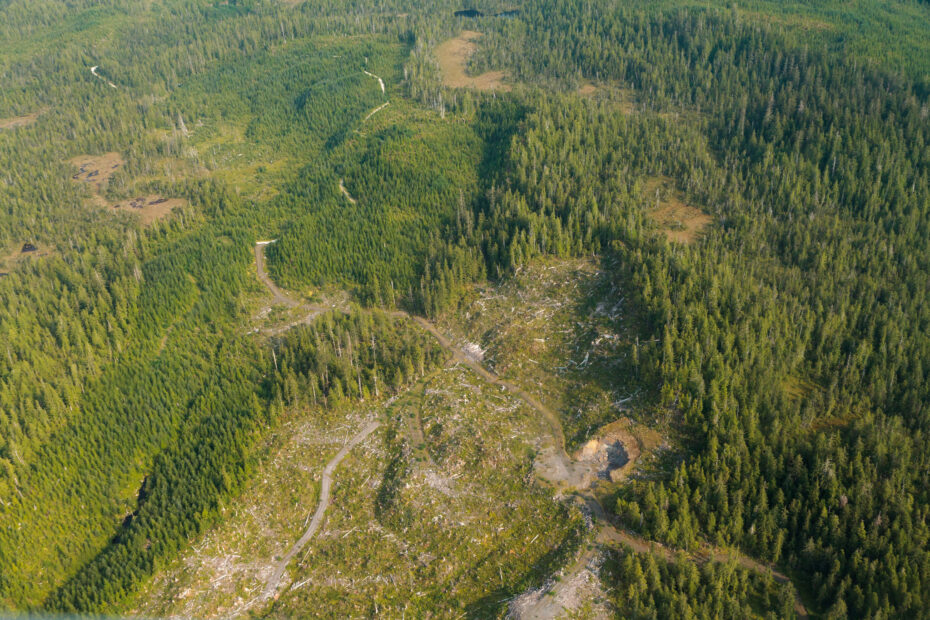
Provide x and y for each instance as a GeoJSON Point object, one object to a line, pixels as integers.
{"type": "Point", "coordinates": [96, 170]}
{"type": "Point", "coordinates": [150, 208]}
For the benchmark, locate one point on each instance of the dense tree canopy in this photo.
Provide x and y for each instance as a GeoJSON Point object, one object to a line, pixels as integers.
{"type": "Point", "coordinates": [787, 343]}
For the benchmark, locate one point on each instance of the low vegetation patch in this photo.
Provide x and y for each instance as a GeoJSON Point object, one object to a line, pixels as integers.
{"type": "Point", "coordinates": [437, 511]}
{"type": "Point", "coordinates": [21, 252]}
{"type": "Point", "coordinates": [96, 171]}
{"type": "Point", "coordinates": [560, 330]}
{"type": "Point", "coordinates": [678, 221]}
{"type": "Point", "coordinates": [442, 518]}
{"type": "Point", "coordinates": [453, 58]}
{"type": "Point", "coordinates": [587, 89]}
{"type": "Point", "coordinates": [19, 121]}
{"type": "Point", "coordinates": [150, 208]}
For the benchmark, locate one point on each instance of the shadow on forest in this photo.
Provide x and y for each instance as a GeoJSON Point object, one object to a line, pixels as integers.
{"type": "Point", "coordinates": [497, 121]}
{"type": "Point", "coordinates": [489, 605]}
{"type": "Point", "coordinates": [609, 303]}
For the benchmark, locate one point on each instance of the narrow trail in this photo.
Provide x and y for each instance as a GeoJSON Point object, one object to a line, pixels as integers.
{"type": "Point", "coordinates": [342, 188]}
{"type": "Point", "coordinates": [271, 587]}
{"type": "Point", "coordinates": [97, 75]}
{"type": "Point", "coordinates": [380, 81]}
{"type": "Point", "coordinates": [378, 109]}
{"type": "Point", "coordinates": [607, 530]}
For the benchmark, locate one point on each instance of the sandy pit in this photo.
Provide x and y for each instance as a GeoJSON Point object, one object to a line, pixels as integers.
{"type": "Point", "coordinates": [609, 456]}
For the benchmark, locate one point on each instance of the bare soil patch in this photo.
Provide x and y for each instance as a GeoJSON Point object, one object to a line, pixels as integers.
{"type": "Point", "coordinates": [453, 57]}
{"type": "Point", "coordinates": [679, 222]}
{"type": "Point", "coordinates": [20, 252]}
{"type": "Point", "coordinates": [96, 169]}
{"type": "Point", "coordinates": [345, 192]}
{"type": "Point", "coordinates": [587, 89]}
{"type": "Point", "coordinates": [609, 456]}
{"type": "Point", "coordinates": [19, 121]}
{"type": "Point", "coordinates": [150, 208]}
{"type": "Point", "coordinates": [576, 591]}
{"type": "Point", "coordinates": [623, 98]}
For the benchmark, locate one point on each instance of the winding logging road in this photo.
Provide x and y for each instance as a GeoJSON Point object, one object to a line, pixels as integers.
{"type": "Point", "coordinates": [97, 75]}
{"type": "Point", "coordinates": [279, 297]}
{"type": "Point", "coordinates": [271, 587]}
{"type": "Point", "coordinates": [608, 532]}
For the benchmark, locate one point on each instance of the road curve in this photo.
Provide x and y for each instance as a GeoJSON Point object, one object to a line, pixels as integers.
{"type": "Point", "coordinates": [380, 81]}
{"type": "Point", "coordinates": [97, 75]}
{"type": "Point", "coordinates": [279, 296]}
{"type": "Point", "coordinates": [608, 532]}
{"type": "Point", "coordinates": [271, 586]}
{"type": "Point", "coordinates": [342, 188]}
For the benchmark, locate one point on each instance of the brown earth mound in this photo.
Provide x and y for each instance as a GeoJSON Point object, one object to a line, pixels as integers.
{"type": "Point", "coordinates": [612, 452]}
{"type": "Point", "coordinates": [453, 58]}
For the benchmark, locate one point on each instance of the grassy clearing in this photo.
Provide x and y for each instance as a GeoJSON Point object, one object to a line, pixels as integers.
{"type": "Point", "coordinates": [624, 99]}
{"type": "Point", "coordinates": [453, 58]}
{"type": "Point", "coordinates": [19, 121]}
{"type": "Point", "coordinates": [222, 148]}
{"type": "Point", "coordinates": [679, 222]}
{"type": "Point", "coordinates": [13, 255]}
{"type": "Point", "coordinates": [150, 208]}
{"type": "Point", "coordinates": [98, 171]}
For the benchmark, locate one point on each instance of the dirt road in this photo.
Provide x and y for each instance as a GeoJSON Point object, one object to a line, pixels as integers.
{"type": "Point", "coordinates": [376, 110]}
{"type": "Point", "coordinates": [97, 75]}
{"type": "Point", "coordinates": [274, 581]}
{"type": "Point", "coordinates": [279, 297]}
{"type": "Point", "coordinates": [560, 475]}
{"type": "Point", "coordinates": [380, 81]}
{"type": "Point", "coordinates": [343, 189]}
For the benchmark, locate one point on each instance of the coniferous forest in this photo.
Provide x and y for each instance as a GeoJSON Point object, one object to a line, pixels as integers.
{"type": "Point", "coordinates": [782, 350]}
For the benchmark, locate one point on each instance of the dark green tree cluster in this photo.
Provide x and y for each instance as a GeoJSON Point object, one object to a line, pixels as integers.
{"type": "Point", "coordinates": [352, 356]}
{"type": "Point", "coordinates": [408, 186]}
{"type": "Point", "coordinates": [792, 340]}
{"type": "Point", "coordinates": [338, 357]}
{"type": "Point", "coordinates": [648, 586]}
